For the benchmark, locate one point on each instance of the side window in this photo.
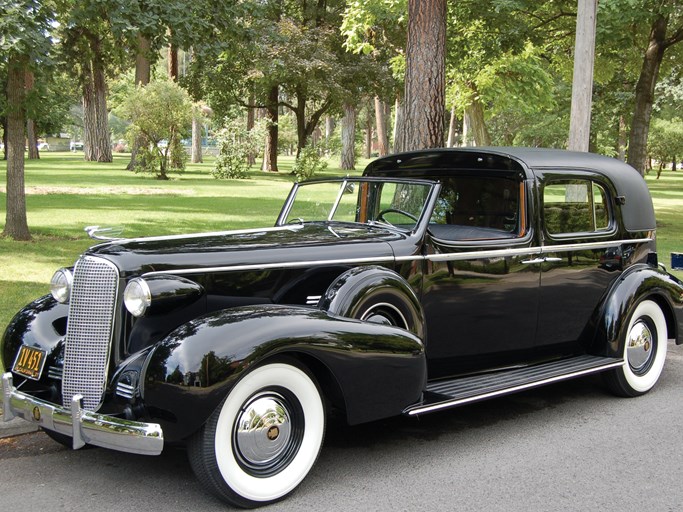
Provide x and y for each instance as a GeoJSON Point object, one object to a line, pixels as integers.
{"type": "Point", "coordinates": [575, 206]}
{"type": "Point", "coordinates": [479, 208]}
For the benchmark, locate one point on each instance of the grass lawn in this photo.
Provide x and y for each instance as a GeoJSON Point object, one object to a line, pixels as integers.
{"type": "Point", "coordinates": [64, 194]}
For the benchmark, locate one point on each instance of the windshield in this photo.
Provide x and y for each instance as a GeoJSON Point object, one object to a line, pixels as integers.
{"type": "Point", "coordinates": [393, 203]}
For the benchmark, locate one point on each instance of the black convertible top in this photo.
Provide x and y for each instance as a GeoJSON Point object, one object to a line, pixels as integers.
{"type": "Point", "coordinates": [637, 210]}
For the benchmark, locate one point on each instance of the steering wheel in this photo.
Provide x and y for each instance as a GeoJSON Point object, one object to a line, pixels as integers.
{"type": "Point", "coordinates": [380, 215]}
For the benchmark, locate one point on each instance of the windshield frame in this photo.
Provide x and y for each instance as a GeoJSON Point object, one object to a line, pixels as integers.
{"type": "Point", "coordinates": [343, 182]}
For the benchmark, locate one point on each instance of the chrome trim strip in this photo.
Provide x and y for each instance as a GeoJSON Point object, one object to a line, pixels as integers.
{"type": "Point", "coordinates": [592, 245]}
{"type": "Point", "coordinates": [494, 253]}
{"type": "Point", "coordinates": [462, 401]}
{"type": "Point", "coordinates": [251, 231]}
{"type": "Point", "coordinates": [271, 266]}
{"type": "Point", "coordinates": [455, 256]}
{"type": "Point", "coordinates": [83, 426]}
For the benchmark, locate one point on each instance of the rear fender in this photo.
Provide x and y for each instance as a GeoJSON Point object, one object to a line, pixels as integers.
{"type": "Point", "coordinates": [634, 286]}
{"type": "Point", "coordinates": [379, 369]}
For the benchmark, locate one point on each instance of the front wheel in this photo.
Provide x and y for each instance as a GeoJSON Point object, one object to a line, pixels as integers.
{"type": "Point", "coordinates": [263, 440]}
{"type": "Point", "coordinates": [644, 352]}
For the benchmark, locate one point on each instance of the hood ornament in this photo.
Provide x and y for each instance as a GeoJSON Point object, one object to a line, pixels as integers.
{"type": "Point", "coordinates": [104, 233]}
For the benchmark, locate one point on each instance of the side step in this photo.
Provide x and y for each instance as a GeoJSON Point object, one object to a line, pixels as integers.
{"type": "Point", "coordinates": [451, 393]}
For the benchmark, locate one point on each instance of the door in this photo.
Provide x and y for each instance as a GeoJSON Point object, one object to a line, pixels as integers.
{"type": "Point", "coordinates": [480, 291]}
{"type": "Point", "coordinates": [581, 258]}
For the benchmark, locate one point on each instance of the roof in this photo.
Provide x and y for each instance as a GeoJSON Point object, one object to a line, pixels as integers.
{"type": "Point", "coordinates": [637, 212]}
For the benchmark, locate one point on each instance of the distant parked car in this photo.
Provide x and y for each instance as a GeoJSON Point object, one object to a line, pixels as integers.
{"type": "Point", "coordinates": [75, 146]}
{"type": "Point", "coordinates": [43, 146]}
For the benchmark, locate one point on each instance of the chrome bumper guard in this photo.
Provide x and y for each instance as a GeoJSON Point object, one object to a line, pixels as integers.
{"type": "Point", "coordinates": [83, 426]}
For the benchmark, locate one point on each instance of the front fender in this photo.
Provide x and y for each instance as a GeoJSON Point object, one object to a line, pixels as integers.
{"type": "Point", "coordinates": [41, 324]}
{"type": "Point", "coordinates": [634, 286]}
{"type": "Point", "coordinates": [379, 369]}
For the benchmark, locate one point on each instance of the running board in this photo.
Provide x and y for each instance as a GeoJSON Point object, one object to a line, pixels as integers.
{"type": "Point", "coordinates": [454, 392]}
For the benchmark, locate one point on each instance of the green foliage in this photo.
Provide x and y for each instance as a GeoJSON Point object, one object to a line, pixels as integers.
{"type": "Point", "coordinates": [25, 28]}
{"type": "Point", "coordinates": [160, 116]}
{"type": "Point", "coordinates": [309, 163]}
{"type": "Point", "coordinates": [235, 145]}
{"type": "Point", "coordinates": [665, 141]}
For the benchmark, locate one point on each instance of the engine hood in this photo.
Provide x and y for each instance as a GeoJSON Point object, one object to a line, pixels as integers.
{"type": "Point", "coordinates": [315, 243]}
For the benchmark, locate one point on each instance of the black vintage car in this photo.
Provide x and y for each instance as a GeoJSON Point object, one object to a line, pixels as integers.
{"type": "Point", "coordinates": [436, 279]}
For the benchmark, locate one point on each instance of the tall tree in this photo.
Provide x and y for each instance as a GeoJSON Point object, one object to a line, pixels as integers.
{"type": "Point", "coordinates": [24, 42]}
{"type": "Point", "coordinates": [16, 224]}
{"type": "Point", "coordinates": [662, 37]}
{"type": "Point", "coordinates": [425, 87]}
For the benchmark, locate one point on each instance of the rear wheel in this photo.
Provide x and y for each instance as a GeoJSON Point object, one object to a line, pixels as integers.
{"type": "Point", "coordinates": [264, 439]}
{"type": "Point", "coordinates": [644, 352]}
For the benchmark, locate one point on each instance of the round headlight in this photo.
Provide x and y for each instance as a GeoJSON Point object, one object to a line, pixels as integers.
{"type": "Point", "coordinates": [60, 285]}
{"type": "Point", "coordinates": [137, 297]}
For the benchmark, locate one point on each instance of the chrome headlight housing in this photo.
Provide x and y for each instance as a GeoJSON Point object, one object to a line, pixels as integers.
{"type": "Point", "coordinates": [60, 285]}
{"type": "Point", "coordinates": [137, 297]}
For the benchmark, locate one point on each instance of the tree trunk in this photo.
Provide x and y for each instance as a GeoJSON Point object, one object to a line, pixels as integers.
{"type": "Point", "coordinates": [348, 138]}
{"type": "Point", "coordinates": [173, 63]}
{"type": "Point", "coordinates": [368, 134]}
{"type": "Point", "coordinates": [31, 135]}
{"type": "Point", "coordinates": [251, 122]}
{"type": "Point", "coordinates": [270, 156]}
{"type": "Point", "coordinates": [451, 129]}
{"type": "Point", "coordinates": [398, 124]}
{"type": "Point", "coordinates": [645, 91]}
{"type": "Point", "coordinates": [32, 140]}
{"type": "Point", "coordinates": [380, 122]}
{"type": "Point", "coordinates": [329, 128]}
{"type": "Point", "coordinates": [300, 116]}
{"type": "Point", "coordinates": [89, 138]}
{"type": "Point", "coordinates": [196, 157]}
{"type": "Point", "coordinates": [102, 134]}
{"type": "Point", "coordinates": [16, 225]}
{"type": "Point", "coordinates": [582, 86]}
{"type": "Point", "coordinates": [425, 82]}
{"type": "Point", "coordinates": [143, 71]}
{"type": "Point", "coordinates": [97, 139]}
{"type": "Point", "coordinates": [475, 113]}
{"type": "Point", "coordinates": [622, 139]}
{"type": "Point", "coordinates": [466, 129]}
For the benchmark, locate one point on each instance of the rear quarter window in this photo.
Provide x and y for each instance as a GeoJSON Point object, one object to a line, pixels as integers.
{"type": "Point", "coordinates": [575, 206]}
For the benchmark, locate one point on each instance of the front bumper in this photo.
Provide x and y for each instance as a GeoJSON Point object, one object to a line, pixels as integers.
{"type": "Point", "coordinates": [83, 426]}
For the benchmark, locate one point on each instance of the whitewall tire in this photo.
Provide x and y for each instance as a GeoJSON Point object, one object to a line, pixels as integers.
{"type": "Point", "coordinates": [645, 346]}
{"type": "Point", "coordinates": [265, 437]}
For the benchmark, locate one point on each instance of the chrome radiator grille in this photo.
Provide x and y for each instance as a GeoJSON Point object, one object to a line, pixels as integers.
{"type": "Point", "coordinates": [89, 331]}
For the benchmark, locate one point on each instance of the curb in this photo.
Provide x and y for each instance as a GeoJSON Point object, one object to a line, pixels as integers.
{"type": "Point", "coordinates": [15, 426]}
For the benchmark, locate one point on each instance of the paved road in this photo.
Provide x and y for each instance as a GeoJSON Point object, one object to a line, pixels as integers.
{"type": "Point", "coordinates": [566, 447]}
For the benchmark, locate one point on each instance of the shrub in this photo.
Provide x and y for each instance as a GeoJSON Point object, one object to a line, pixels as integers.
{"type": "Point", "coordinates": [235, 145]}
{"type": "Point", "coordinates": [308, 163]}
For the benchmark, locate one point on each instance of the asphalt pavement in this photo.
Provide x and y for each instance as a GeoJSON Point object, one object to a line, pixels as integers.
{"type": "Point", "coordinates": [570, 446]}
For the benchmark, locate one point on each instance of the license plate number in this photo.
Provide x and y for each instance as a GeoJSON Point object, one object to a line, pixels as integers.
{"type": "Point", "coordinates": [29, 362]}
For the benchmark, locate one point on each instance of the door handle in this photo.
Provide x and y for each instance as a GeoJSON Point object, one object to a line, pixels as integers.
{"type": "Point", "coordinates": [536, 261]}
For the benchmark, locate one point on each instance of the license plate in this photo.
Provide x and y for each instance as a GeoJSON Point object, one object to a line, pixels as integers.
{"type": "Point", "coordinates": [29, 362]}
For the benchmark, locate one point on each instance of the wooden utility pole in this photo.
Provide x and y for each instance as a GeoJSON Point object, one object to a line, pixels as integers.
{"type": "Point", "coordinates": [582, 86]}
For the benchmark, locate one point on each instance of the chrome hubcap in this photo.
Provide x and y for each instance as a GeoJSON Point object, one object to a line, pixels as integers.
{"type": "Point", "coordinates": [640, 346]}
{"type": "Point", "coordinates": [265, 439]}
